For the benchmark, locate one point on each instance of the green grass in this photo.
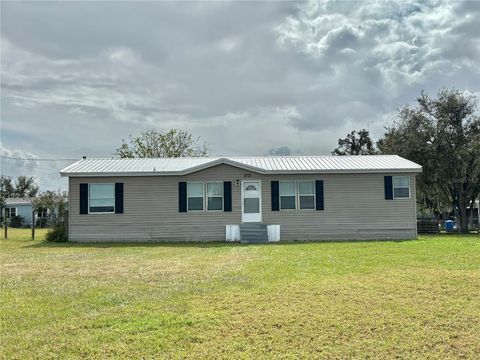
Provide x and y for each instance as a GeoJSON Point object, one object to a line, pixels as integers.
{"type": "Point", "coordinates": [23, 234]}
{"type": "Point", "coordinates": [412, 299]}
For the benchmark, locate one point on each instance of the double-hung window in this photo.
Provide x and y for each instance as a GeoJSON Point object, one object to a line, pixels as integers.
{"type": "Point", "coordinates": [214, 196]}
{"type": "Point", "coordinates": [11, 212]}
{"type": "Point", "coordinates": [306, 193]}
{"type": "Point", "coordinates": [195, 196]}
{"type": "Point", "coordinates": [401, 187]}
{"type": "Point", "coordinates": [287, 195]}
{"type": "Point", "coordinates": [101, 198]}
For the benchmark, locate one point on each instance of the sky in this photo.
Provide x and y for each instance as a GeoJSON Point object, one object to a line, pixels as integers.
{"type": "Point", "coordinates": [250, 78]}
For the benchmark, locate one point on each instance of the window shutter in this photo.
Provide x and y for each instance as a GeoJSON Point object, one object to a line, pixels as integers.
{"type": "Point", "coordinates": [275, 196]}
{"type": "Point", "coordinates": [182, 197]}
{"type": "Point", "coordinates": [319, 196]}
{"type": "Point", "coordinates": [83, 198]}
{"type": "Point", "coordinates": [388, 182]}
{"type": "Point", "coordinates": [118, 198]}
{"type": "Point", "coordinates": [227, 196]}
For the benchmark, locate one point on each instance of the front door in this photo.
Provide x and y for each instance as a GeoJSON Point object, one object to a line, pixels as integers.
{"type": "Point", "coordinates": [251, 201]}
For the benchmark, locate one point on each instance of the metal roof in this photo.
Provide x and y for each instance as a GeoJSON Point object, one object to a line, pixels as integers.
{"type": "Point", "coordinates": [259, 164]}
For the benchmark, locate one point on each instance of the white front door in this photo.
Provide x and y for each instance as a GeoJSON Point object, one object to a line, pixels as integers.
{"type": "Point", "coordinates": [251, 201]}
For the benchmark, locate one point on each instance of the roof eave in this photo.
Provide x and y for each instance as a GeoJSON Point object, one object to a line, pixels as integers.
{"type": "Point", "coordinates": [271, 172]}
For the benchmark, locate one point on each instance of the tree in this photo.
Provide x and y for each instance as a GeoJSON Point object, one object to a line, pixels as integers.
{"type": "Point", "coordinates": [356, 143]}
{"type": "Point", "coordinates": [23, 187]}
{"type": "Point", "coordinates": [442, 135]}
{"type": "Point", "coordinates": [153, 143]}
{"type": "Point", "coordinates": [54, 201]}
{"type": "Point", "coordinates": [56, 204]}
{"type": "Point", "coordinates": [7, 189]}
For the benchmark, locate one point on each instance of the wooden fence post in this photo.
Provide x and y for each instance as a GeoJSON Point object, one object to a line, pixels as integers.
{"type": "Point", "coordinates": [6, 223]}
{"type": "Point", "coordinates": [33, 225]}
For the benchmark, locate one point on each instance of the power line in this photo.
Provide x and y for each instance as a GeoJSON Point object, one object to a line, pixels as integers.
{"type": "Point", "coordinates": [36, 159]}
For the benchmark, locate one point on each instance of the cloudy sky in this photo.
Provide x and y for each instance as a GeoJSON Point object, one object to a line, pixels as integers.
{"type": "Point", "coordinates": [246, 77]}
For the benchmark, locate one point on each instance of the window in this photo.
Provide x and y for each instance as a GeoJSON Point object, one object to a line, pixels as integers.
{"type": "Point", "coordinates": [306, 193]}
{"type": "Point", "coordinates": [214, 196]}
{"type": "Point", "coordinates": [11, 212]}
{"type": "Point", "coordinates": [194, 196]}
{"type": "Point", "coordinates": [287, 195]}
{"type": "Point", "coordinates": [42, 212]}
{"type": "Point", "coordinates": [101, 198]}
{"type": "Point", "coordinates": [401, 187]}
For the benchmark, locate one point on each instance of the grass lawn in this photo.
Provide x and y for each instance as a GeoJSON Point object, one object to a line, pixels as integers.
{"type": "Point", "coordinates": [412, 299]}
{"type": "Point", "coordinates": [23, 234]}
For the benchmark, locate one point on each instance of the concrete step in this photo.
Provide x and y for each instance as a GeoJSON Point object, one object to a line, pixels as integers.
{"type": "Point", "coordinates": [253, 236]}
{"type": "Point", "coordinates": [252, 226]}
{"type": "Point", "coordinates": [253, 233]}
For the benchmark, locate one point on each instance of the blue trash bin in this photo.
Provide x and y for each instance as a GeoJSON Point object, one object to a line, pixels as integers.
{"type": "Point", "coordinates": [449, 225]}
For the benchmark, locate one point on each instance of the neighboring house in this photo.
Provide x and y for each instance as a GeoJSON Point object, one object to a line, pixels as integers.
{"type": "Point", "coordinates": [207, 199]}
{"type": "Point", "coordinates": [23, 207]}
{"type": "Point", "coordinates": [18, 207]}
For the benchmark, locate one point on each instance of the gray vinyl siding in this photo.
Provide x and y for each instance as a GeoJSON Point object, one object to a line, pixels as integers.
{"type": "Point", "coordinates": [355, 208]}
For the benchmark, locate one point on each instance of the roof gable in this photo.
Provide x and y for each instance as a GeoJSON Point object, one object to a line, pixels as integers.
{"type": "Point", "coordinates": [225, 161]}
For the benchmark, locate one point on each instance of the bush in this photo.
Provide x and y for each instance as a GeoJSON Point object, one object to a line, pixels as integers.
{"type": "Point", "coordinates": [41, 222]}
{"type": "Point", "coordinates": [16, 221]}
{"type": "Point", "coordinates": [57, 234]}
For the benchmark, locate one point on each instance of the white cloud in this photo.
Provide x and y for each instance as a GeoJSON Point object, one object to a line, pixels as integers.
{"type": "Point", "coordinates": [12, 165]}
{"type": "Point", "coordinates": [123, 56]}
{"type": "Point", "coordinates": [404, 42]}
{"type": "Point", "coordinates": [228, 44]}
{"type": "Point", "coordinates": [111, 82]}
{"type": "Point", "coordinates": [15, 153]}
{"type": "Point", "coordinates": [15, 162]}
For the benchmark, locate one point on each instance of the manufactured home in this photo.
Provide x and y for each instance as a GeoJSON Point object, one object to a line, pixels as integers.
{"type": "Point", "coordinates": [24, 207]}
{"type": "Point", "coordinates": [18, 207]}
{"type": "Point", "coordinates": [248, 199]}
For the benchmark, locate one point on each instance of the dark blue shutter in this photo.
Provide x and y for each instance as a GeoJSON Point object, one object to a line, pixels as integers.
{"type": "Point", "coordinates": [388, 182]}
{"type": "Point", "coordinates": [83, 198]}
{"type": "Point", "coordinates": [227, 196]}
{"type": "Point", "coordinates": [118, 198]}
{"type": "Point", "coordinates": [182, 197]}
{"type": "Point", "coordinates": [275, 196]}
{"type": "Point", "coordinates": [319, 196]}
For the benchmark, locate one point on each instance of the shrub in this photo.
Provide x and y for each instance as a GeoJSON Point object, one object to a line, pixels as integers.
{"type": "Point", "coordinates": [57, 234]}
{"type": "Point", "coordinates": [16, 221]}
{"type": "Point", "coordinates": [41, 222]}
